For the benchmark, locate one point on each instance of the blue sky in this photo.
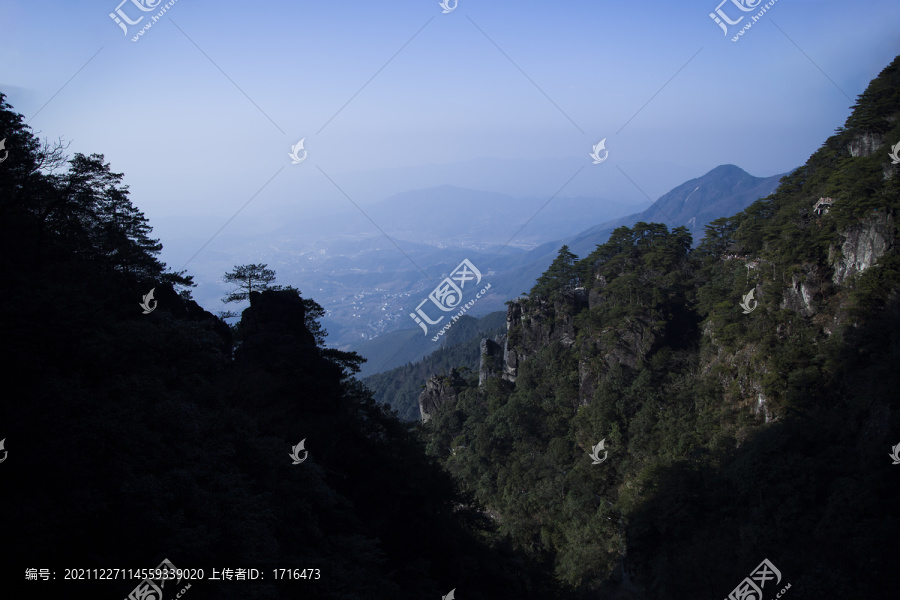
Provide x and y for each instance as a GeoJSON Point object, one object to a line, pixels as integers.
{"type": "Point", "coordinates": [201, 112]}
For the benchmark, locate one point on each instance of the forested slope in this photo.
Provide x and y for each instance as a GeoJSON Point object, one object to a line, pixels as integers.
{"type": "Point", "coordinates": [738, 427]}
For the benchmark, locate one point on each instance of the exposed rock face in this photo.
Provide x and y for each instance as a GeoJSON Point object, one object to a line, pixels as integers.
{"type": "Point", "coordinates": [761, 407]}
{"type": "Point", "coordinates": [277, 335]}
{"type": "Point", "coordinates": [803, 292]}
{"type": "Point", "coordinates": [864, 243]}
{"type": "Point", "coordinates": [865, 144]}
{"type": "Point", "coordinates": [492, 355]}
{"type": "Point", "coordinates": [438, 392]}
{"type": "Point", "coordinates": [533, 324]}
{"type": "Point", "coordinates": [538, 323]}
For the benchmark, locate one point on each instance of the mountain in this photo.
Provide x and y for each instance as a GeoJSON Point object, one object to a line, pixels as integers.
{"type": "Point", "coordinates": [693, 204]}
{"type": "Point", "coordinates": [721, 192]}
{"type": "Point", "coordinates": [136, 436]}
{"type": "Point", "coordinates": [365, 275]}
{"type": "Point", "coordinates": [743, 389]}
{"type": "Point", "coordinates": [451, 216]}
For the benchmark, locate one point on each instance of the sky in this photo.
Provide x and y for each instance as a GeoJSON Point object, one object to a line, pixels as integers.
{"type": "Point", "coordinates": [201, 112]}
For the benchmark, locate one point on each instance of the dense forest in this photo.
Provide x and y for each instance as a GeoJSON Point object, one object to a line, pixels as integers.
{"type": "Point", "coordinates": [739, 427]}
{"type": "Point", "coordinates": [399, 388]}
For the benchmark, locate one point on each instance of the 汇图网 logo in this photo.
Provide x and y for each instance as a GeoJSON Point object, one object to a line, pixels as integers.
{"type": "Point", "coordinates": [445, 4]}
{"type": "Point", "coordinates": [751, 587]}
{"type": "Point", "coordinates": [723, 20]}
{"type": "Point", "coordinates": [152, 587]}
{"type": "Point", "coordinates": [295, 156]}
{"type": "Point", "coordinates": [894, 153]}
{"type": "Point", "coordinates": [745, 303]}
{"type": "Point", "coordinates": [595, 454]}
{"type": "Point", "coordinates": [601, 145]}
{"type": "Point", "coordinates": [447, 296]}
{"type": "Point", "coordinates": [121, 19]}
{"type": "Point", "coordinates": [296, 450]}
{"type": "Point", "coordinates": [145, 304]}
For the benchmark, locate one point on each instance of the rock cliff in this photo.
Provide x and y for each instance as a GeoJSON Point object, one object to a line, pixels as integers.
{"type": "Point", "coordinates": [864, 243]}
{"type": "Point", "coordinates": [439, 390]}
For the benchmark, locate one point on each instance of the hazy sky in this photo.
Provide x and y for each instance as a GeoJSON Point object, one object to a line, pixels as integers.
{"type": "Point", "coordinates": [200, 113]}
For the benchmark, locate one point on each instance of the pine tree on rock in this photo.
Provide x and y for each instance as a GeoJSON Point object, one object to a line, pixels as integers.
{"type": "Point", "coordinates": [249, 278]}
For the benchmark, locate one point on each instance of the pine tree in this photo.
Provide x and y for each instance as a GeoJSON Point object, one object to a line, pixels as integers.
{"type": "Point", "coordinates": [249, 278]}
{"type": "Point", "coordinates": [560, 276]}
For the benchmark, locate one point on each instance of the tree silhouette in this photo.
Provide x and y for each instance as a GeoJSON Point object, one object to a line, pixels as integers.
{"type": "Point", "coordinates": [249, 278]}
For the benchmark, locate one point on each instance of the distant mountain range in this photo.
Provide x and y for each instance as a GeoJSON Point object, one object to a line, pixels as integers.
{"type": "Point", "coordinates": [368, 287]}
{"type": "Point", "coordinates": [723, 191]}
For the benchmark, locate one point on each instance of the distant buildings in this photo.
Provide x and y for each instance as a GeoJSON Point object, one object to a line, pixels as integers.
{"type": "Point", "coordinates": [822, 206]}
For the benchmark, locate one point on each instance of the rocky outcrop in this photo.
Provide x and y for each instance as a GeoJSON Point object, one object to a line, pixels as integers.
{"type": "Point", "coordinates": [492, 358]}
{"type": "Point", "coordinates": [439, 390]}
{"type": "Point", "coordinates": [761, 408]}
{"type": "Point", "coordinates": [804, 291]}
{"type": "Point", "coordinates": [535, 324]}
{"type": "Point", "coordinates": [865, 144]}
{"type": "Point", "coordinates": [864, 243]}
